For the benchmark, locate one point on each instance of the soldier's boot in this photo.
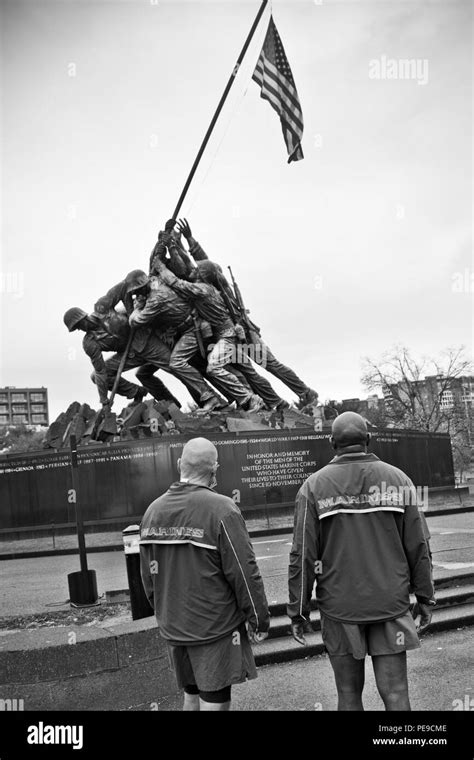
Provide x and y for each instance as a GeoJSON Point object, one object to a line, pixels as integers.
{"type": "Point", "coordinates": [282, 405]}
{"type": "Point", "coordinates": [253, 404]}
{"type": "Point", "coordinates": [139, 396]}
{"type": "Point", "coordinates": [310, 396]}
{"type": "Point", "coordinates": [213, 403]}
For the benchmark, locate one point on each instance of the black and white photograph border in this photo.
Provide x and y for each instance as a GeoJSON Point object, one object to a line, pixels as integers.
{"type": "Point", "coordinates": [236, 379]}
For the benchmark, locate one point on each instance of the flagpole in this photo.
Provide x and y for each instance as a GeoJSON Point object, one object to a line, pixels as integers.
{"type": "Point", "coordinates": [219, 109]}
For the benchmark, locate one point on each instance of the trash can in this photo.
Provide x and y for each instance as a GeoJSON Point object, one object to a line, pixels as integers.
{"type": "Point", "coordinates": [83, 588]}
{"type": "Point", "coordinates": [141, 607]}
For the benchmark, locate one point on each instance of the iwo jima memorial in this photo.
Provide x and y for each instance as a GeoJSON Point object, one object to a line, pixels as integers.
{"type": "Point", "coordinates": [183, 316]}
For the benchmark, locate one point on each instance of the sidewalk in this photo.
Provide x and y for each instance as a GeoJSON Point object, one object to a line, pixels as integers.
{"type": "Point", "coordinates": [112, 540]}
{"type": "Point", "coordinates": [438, 674]}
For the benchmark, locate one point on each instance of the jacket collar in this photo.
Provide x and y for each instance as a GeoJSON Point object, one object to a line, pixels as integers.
{"type": "Point", "coordinates": [181, 484]}
{"type": "Point", "coordinates": [358, 456]}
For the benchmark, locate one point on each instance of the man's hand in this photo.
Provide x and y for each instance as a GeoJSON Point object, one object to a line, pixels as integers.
{"type": "Point", "coordinates": [256, 637]}
{"type": "Point", "coordinates": [169, 225]}
{"type": "Point", "coordinates": [298, 630]}
{"type": "Point", "coordinates": [106, 405]}
{"type": "Point", "coordinates": [184, 228]}
{"type": "Point", "coordinates": [425, 613]}
{"type": "Point", "coordinates": [100, 307]}
{"type": "Point", "coordinates": [165, 238]}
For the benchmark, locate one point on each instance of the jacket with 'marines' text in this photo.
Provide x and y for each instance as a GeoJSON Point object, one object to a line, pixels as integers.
{"type": "Point", "coordinates": [198, 566]}
{"type": "Point", "coordinates": [358, 533]}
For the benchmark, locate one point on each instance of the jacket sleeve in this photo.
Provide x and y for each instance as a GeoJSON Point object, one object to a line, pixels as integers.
{"type": "Point", "coordinates": [179, 263]}
{"type": "Point", "coordinates": [303, 555]}
{"type": "Point", "coordinates": [241, 571]}
{"type": "Point", "coordinates": [151, 311]}
{"type": "Point", "coordinates": [145, 573]}
{"type": "Point", "coordinates": [112, 298]}
{"type": "Point", "coordinates": [197, 252]}
{"type": "Point", "coordinates": [94, 353]}
{"type": "Point", "coordinates": [417, 551]}
{"type": "Point", "coordinates": [187, 289]}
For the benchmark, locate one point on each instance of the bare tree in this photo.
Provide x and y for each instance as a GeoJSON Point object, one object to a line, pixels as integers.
{"type": "Point", "coordinates": [411, 402]}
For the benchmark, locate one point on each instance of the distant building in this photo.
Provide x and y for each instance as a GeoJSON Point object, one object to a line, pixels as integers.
{"type": "Point", "coordinates": [363, 406]}
{"type": "Point", "coordinates": [457, 396]}
{"type": "Point", "coordinates": [24, 406]}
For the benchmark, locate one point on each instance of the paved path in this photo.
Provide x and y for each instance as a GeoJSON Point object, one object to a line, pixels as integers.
{"type": "Point", "coordinates": [439, 673]}
{"type": "Point", "coordinates": [31, 586]}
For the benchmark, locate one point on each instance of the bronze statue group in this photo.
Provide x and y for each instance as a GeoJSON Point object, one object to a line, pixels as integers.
{"type": "Point", "coordinates": [182, 317]}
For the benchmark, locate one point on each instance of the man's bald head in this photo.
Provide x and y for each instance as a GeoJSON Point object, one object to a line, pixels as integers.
{"type": "Point", "coordinates": [198, 460]}
{"type": "Point", "coordinates": [349, 429]}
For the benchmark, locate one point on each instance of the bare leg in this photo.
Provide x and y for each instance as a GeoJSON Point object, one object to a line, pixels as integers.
{"type": "Point", "coordinates": [392, 680]}
{"type": "Point", "coordinates": [214, 706]}
{"type": "Point", "coordinates": [191, 702]}
{"type": "Point", "coordinates": [349, 675]}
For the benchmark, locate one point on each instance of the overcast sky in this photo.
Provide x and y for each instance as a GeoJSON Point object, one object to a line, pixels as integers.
{"type": "Point", "coordinates": [363, 244]}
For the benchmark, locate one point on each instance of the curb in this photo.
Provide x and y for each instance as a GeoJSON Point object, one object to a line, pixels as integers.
{"type": "Point", "coordinates": [75, 668]}
{"type": "Point", "coordinates": [35, 660]}
{"type": "Point", "coordinates": [61, 552]}
{"type": "Point", "coordinates": [253, 534]}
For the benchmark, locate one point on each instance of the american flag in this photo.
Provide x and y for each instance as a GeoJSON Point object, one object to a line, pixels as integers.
{"type": "Point", "coordinates": [277, 85]}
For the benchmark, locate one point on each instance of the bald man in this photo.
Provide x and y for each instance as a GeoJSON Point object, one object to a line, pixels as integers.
{"type": "Point", "coordinates": [358, 532]}
{"type": "Point", "coordinates": [200, 574]}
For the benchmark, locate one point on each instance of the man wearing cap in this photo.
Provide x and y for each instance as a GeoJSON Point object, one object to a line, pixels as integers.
{"type": "Point", "coordinates": [201, 577]}
{"type": "Point", "coordinates": [359, 535]}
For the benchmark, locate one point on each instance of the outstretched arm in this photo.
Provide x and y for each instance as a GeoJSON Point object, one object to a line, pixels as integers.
{"type": "Point", "coordinates": [189, 290]}
{"type": "Point", "coordinates": [196, 251]}
{"type": "Point", "coordinates": [112, 298]}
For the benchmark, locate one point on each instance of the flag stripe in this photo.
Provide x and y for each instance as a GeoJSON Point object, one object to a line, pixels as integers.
{"type": "Point", "coordinates": [272, 72]}
{"type": "Point", "coordinates": [273, 75]}
{"type": "Point", "coordinates": [280, 96]}
{"type": "Point", "coordinates": [268, 79]}
{"type": "Point", "coordinates": [273, 98]}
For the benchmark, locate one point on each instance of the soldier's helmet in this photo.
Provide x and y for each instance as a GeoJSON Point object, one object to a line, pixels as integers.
{"type": "Point", "coordinates": [73, 316]}
{"type": "Point", "coordinates": [209, 271]}
{"type": "Point", "coordinates": [135, 279]}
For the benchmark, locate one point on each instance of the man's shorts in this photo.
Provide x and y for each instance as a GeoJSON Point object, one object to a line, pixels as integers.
{"type": "Point", "coordinates": [215, 665]}
{"type": "Point", "coordinates": [360, 639]}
